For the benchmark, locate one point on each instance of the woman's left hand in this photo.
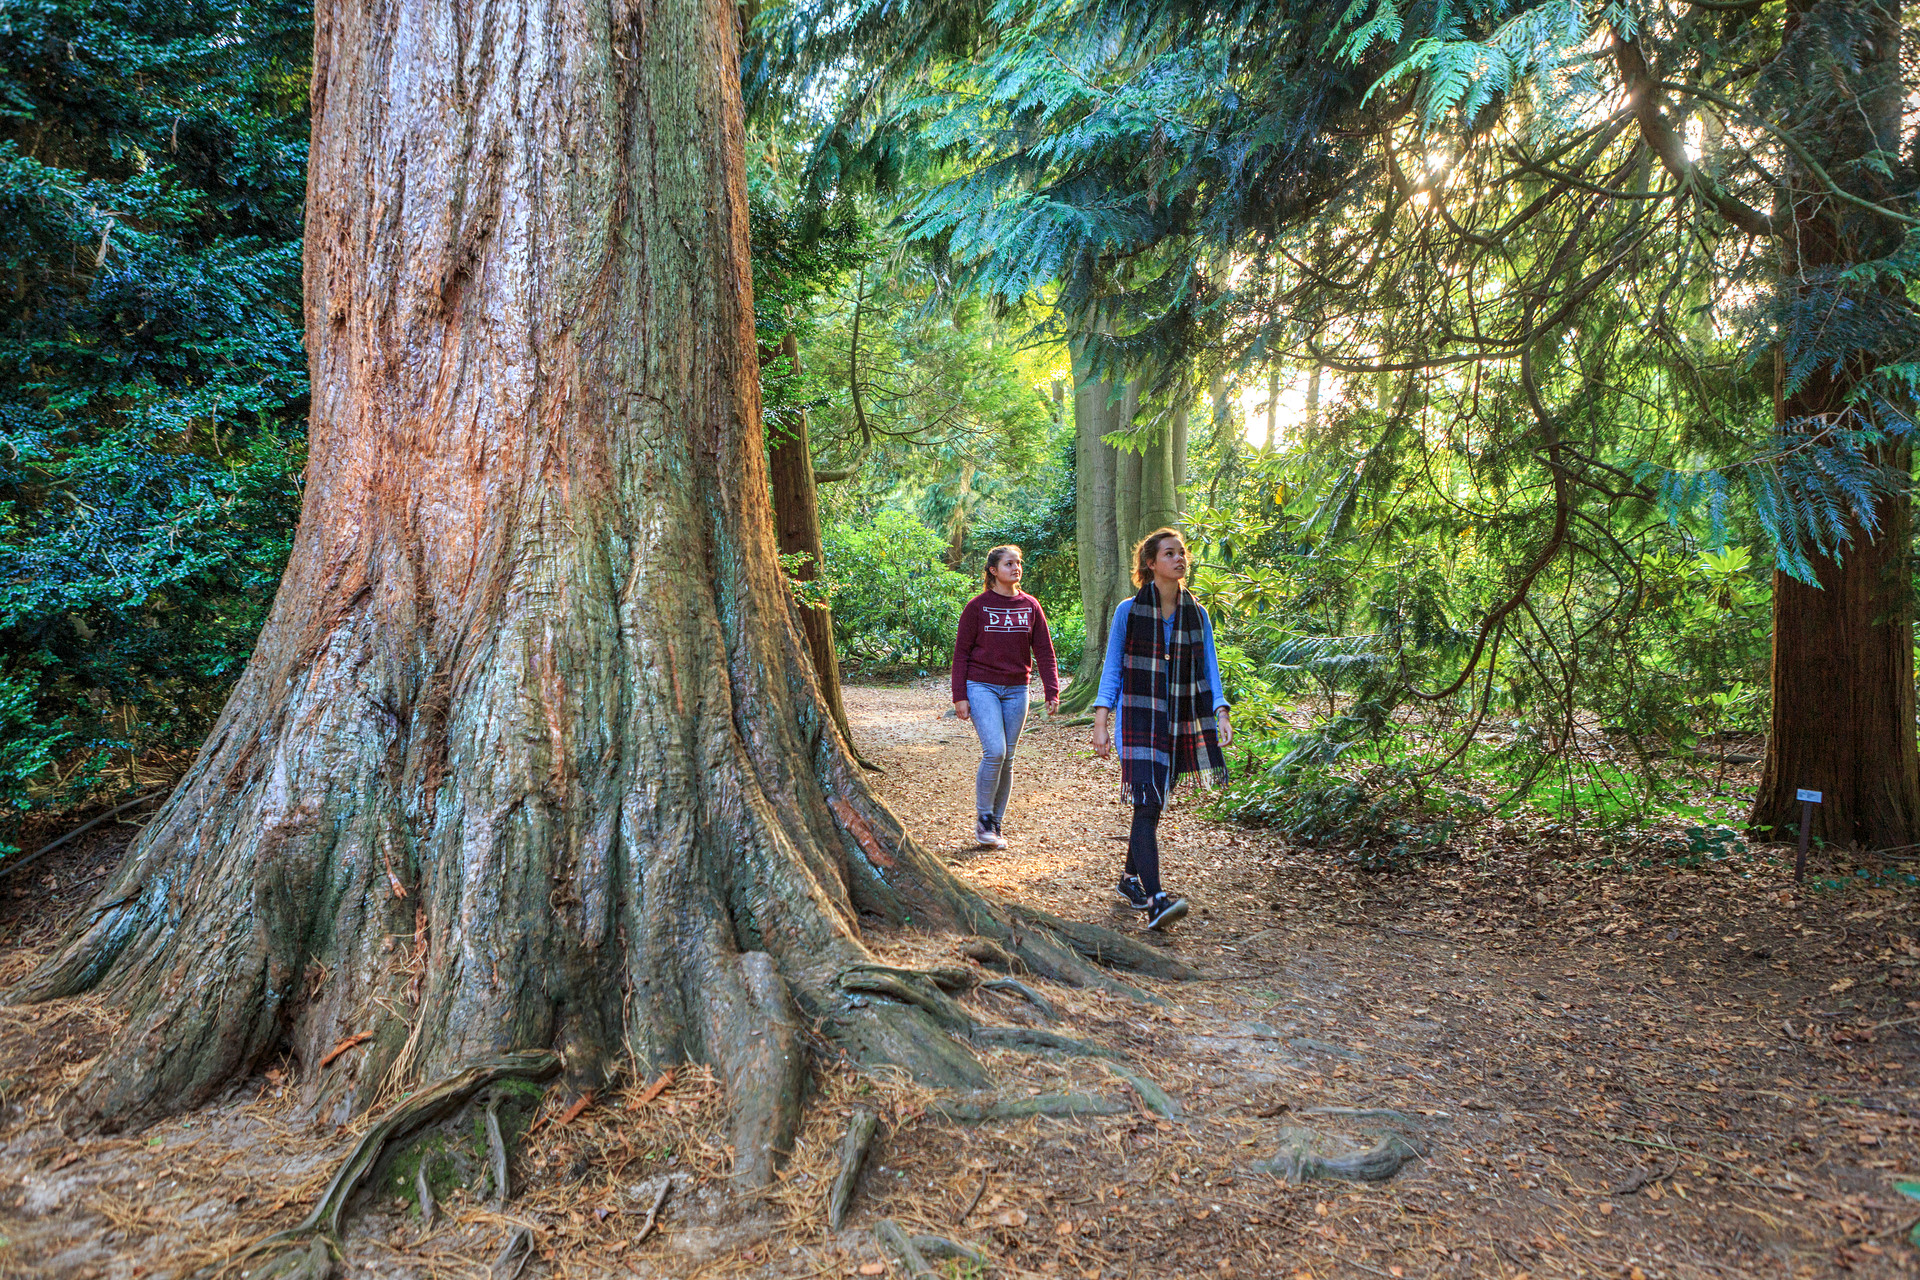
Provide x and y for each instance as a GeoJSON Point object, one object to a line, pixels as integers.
{"type": "Point", "coordinates": [1223, 728]}
{"type": "Point", "coordinates": [1053, 706]}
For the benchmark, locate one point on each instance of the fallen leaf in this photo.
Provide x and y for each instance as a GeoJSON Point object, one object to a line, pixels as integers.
{"type": "Point", "coordinates": [340, 1048]}
{"type": "Point", "coordinates": [1011, 1217]}
{"type": "Point", "coordinates": [657, 1088]}
{"type": "Point", "coordinates": [1845, 984]}
{"type": "Point", "coordinates": [874, 1269]}
{"type": "Point", "coordinates": [572, 1113]}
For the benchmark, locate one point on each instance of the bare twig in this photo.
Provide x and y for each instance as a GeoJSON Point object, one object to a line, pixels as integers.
{"type": "Point", "coordinates": [653, 1210]}
{"type": "Point", "coordinates": [978, 1191]}
{"type": "Point", "coordinates": [82, 829]}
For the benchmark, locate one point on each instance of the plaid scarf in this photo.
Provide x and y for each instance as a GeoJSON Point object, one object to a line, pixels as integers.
{"type": "Point", "coordinates": [1166, 703]}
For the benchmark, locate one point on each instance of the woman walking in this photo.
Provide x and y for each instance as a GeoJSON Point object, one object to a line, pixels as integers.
{"type": "Point", "coordinates": [1003, 631]}
{"type": "Point", "coordinates": [1161, 672]}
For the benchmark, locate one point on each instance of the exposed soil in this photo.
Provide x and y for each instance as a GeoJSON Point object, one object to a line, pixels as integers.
{"type": "Point", "coordinates": [1634, 1073]}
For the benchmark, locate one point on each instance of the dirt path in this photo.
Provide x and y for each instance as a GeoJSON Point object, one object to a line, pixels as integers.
{"type": "Point", "coordinates": [1639, 1074]}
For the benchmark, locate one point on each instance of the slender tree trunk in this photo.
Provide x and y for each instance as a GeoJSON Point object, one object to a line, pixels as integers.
{"type": "Point", "coordinates": [796, 522]}
{"type": "Point", "coordinates": [1177, 465]}
{"type": "Point", "coordinates": [1096, 535]}
{"type": "Point", "coordinates": [957, 522]}
{"type": "Point", "coordinates": [1843, 698]}
{"type": "Point", "coordinates": [531, 752]}
{"type": "Point", "coordinates": [1273, 406]}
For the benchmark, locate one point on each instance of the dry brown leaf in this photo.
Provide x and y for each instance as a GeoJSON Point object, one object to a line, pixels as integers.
{"type": "Point", "coordinates": [572, 1113]}
{"type": "Point", "coordinates": [655, 1089]}
{"type": "Point", "coordinates": [342, 1047]}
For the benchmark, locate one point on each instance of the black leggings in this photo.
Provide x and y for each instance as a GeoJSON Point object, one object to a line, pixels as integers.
{"type": "Point", "coordinates": [1143, 847]}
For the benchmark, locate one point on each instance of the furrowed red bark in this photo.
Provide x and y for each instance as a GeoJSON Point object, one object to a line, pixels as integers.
{"type": "Point", "coordinates": [1842, 679]}
{"type": "Point", "coordinates": [531, 753]}
{"type": "Point", "coordinates": [796, 515]}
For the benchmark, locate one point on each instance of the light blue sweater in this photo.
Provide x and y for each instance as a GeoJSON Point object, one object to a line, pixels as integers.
{"type": "Point", "coordinates": [1109, 695]}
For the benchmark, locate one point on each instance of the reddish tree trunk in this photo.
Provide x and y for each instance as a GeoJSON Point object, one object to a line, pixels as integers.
{"type": "Point", "coordinates": [796, 520]}
{"type": "Point", "coordinates": [1843, 698]}
{"type": "Point", "coordinates": [530, 753]}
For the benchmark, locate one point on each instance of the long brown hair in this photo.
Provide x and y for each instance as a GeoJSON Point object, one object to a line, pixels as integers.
{"type": "Point", "coordinates": [995, 556]}
{"type": "Point", "coordinates": [1146, 549]}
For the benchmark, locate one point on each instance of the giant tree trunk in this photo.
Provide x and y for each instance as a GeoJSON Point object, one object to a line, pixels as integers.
{"type": "Point", "coordinates": [531, 753]}
{"type": "Point", "coordinates": [1843, 698]}
{"type": "Point", "coordinates": [796, 522]}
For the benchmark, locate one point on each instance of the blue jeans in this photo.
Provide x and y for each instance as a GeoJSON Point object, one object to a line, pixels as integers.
{"type": "Point", "coordinates": [999, 712]}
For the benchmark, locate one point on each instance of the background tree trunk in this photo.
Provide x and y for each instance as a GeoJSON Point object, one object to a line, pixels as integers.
{"type": "Point", "coordinates": [1843, 702]}
{"type": "Point", "coordinates": [1177, 465]}
{"type": "Point", "coordinates": [1843, 699]}
{"type": "Point", "coordinates": [1096, 533]}
{"type": "Point", "coordinates": [531, 752]}
{"type": "Point", "coordinates": [796, 522]}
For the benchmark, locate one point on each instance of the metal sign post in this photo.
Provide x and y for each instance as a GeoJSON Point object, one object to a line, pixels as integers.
{"type": "Point", "coordinates": [1808, 799]}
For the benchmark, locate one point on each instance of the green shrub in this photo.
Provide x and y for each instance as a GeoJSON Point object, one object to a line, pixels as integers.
{"type": "Point", "coordinates": [1069, 632]}
{"type": "Point", "coordinates": [895, 602]}
{"type": "Point", "coordinates": [1380, 819]}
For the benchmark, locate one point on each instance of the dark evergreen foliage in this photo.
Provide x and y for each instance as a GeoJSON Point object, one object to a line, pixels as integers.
{"type": "Point", "coordinates": [152, 377]}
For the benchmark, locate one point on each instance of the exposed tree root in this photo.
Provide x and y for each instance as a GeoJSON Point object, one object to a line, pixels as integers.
{"type": "Point", "coordinates": [315, 1262]}
{"type": "Point", "coordinates": [941, 1247]}
{"type": "Point", "coordinates": [853, 1158]}
{"type": "Point", "coordinates": [320, 1229]}
{"type": "Point", "coordinates": [515, 1254]}
{"type": "Point", "coordinates": [949, 978]}
{"type": "Point", "coordinates": [1379, 1115]}
{"type": "Point", "coordinates": [983, 1107]}
{"type": "Point", "coordinates": [902, 1246]}
{"type": "Point", "coordinates": [497, 1173]}
{"type": "Point", "coordinates": [907, 987]}
{"type": "Point", "coordinates": [1030, 1040]}
{"type": "Point", "coordinates": [1043, 1005]}
{"type": "Point", "coordinates": [1297, 1161]}
{"type": "Point", "coordinates": [423, 1192]}
{"type": "Point", "coordinates": [1106, 947]}
{"type": "Point", "coordinates": [991, 954]}
{"type": "Point", "coordinates": [1150, 1093]}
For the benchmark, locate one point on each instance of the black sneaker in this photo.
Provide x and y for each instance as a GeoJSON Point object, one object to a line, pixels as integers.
{"type": "Point", "coordinates": [1130, 892]}
{"type": "Point", "coordinates": [1164, 911]}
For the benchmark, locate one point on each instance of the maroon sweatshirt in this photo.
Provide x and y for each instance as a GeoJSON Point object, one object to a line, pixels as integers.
{"type": "Point", "coordinates": [999, 638]}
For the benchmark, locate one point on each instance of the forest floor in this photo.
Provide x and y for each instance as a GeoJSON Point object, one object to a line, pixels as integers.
{"type": "Point", "coordinates": [1635, 1073]}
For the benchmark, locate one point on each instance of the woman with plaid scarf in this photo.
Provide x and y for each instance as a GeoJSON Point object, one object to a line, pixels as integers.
{"type": "Point", "coordinates": [1161, 672]}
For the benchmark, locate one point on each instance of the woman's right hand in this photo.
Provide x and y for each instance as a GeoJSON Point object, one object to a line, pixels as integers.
{"type": "Point", "coordinates": [961, 709]}
{"type": "Point", "coordinates": [1102, 738]}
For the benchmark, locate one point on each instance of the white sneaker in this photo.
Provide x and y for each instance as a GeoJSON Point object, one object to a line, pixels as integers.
{"type": "Point", "coordinates": [984, 834]}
